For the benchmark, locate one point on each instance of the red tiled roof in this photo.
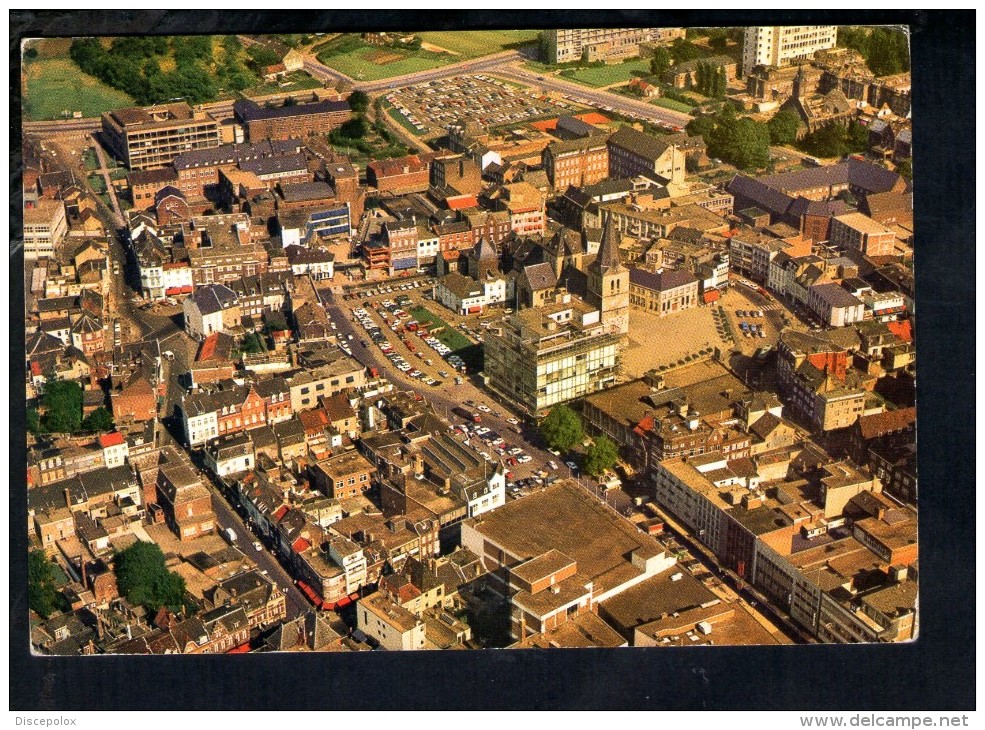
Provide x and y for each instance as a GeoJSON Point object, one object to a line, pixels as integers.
{"type": "Point", "coordinates": [207, 351]}
{"type": "Point", "coordinates": [111, 439]}
{"type": "Point", "coordinates": [300, 545]}
{"type": "Point", "coordinates": [643, 426]}
{"type": "Point", "coordinates": [901, 330]}
{"type": "Point", "coordinates": [468, 201]}
{"type": "Point", "coordinates": [880, 424]}
{"type": "Point", "coordinates": [35, 368]}
{"type": "Point", "coordinates": [281, 511]}
{"type": "Point", "coordinates": [593, 118]}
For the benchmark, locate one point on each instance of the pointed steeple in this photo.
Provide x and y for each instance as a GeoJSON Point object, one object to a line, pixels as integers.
{"type": "Point", "coordinates": [608, 256]}
{"type": "Point", "coordinates": [485, 251]}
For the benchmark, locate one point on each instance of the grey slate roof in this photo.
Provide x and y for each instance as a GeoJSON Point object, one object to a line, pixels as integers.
{"type": "Point", "coordinates": [660, 281]}
{"type": "Point", "coordinates": [213, 298]}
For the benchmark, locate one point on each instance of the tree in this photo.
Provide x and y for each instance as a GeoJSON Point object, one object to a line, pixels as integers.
{"type": "Point", "coordinates": [358, 101]}
{"type": "Point", "coordinates": [905, 168]}
{"type": "Point", "coordinates": [660, 63]}
{"type": "Point", "coordinates": [355, 128]}
{"type": "Point", "coordinates": [562, 428]}
{"type": "Point", "coordinates": [828, 141]}
{"type": "Point", "coordinates": [740, 142]}
{"type": "Point", "coordinates": [43, 595]}
{"type": "Point", "coordinates": [34, 421]}
{"type": "Point", "coordinates": [99, 420]}
{"type": "Point", "coordinates": [543, 47]}
{"type": "Point", "coordinates": [783, 127]}
{"type": "Point", "coordinates": [62, 401]}
{"type": "Point", "coordinates": [683, 50]}
{"type": "Point", "coordinates": [145, 580]}
{"type": "Point", "coordinates": [718, 43]}
{"type": "Point", "coordinates": [857, 137]}
{"type": "Point", "coordinates": [601, 456]}
{"type": "Point", "coordinates": [263, 56]}
{"type": "Point", "coordinates": [252, 344]}
{"type": "Point", "coordinates": [885, 50]}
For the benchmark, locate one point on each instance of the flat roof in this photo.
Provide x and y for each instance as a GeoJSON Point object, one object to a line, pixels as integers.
{"type": "Point", "coordinates": [652, 598]}
{"type": "Point", "coordinates": [565, 517]}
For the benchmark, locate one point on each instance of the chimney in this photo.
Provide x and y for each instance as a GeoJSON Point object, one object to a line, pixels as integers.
{"type": "Point", "coordinates": [68, 498]}
{"type": "Point", "coordinates": [100, 628]}
{"type": "Point", "coordinates": [461, 167]}
{"type": "Point", "coordinates": [83, 571]}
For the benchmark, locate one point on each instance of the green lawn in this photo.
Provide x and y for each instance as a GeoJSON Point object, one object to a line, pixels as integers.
{"type": "Point", "coordinates": [97, 183]}
{"type": "Point", "coordinates": [676, 106]}
{"type": "Point", "coordinates": [606, 75]}
{"type": "Point", "coordinates": [474, 43]}
{"type": "Point", "coordinates": [297, 81]}
{"type": "Point", "coordinates": [89, 159]}
{"type": "Point", "coordinates": [363, 62]}
{"type": "Point", "coordinates": [400, 119]}
{"type": "Point", "coordinates": [54, 85]}
{"type": "Point", "coordinates": [452, 338]}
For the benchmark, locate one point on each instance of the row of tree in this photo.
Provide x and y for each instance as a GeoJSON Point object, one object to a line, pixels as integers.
{"type": "Point", "coordinates": [562, 430]}
{"type": "Point", "coordinates": [886, 50]}
{"type": "Point", "coordinates": [711, 80]}
{"type": "Point", "coordinates": [61, 411]}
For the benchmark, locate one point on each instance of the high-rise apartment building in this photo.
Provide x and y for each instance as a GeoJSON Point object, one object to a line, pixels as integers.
{"type": "Point", "coordinates": [603, 44]}
{"type": "Point", "coordinates": [778, 45]}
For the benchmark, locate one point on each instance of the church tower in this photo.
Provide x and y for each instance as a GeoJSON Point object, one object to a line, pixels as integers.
{"type": "Point", "coordinates": [608, 281]}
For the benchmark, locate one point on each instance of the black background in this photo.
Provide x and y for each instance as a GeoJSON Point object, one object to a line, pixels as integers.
{"type": "Point", "coordinates": [935, 672]}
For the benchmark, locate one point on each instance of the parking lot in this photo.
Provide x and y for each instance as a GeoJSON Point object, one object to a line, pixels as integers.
{"type": "Point", "coordinates": [431, 106]}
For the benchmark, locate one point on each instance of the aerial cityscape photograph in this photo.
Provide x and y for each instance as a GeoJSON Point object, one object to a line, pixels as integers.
{"type": "Point", "coordinates": [469, 339]}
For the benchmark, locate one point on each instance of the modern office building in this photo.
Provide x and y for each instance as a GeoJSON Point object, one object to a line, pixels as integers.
{"type": "Point", "coordinates": [149, 138]}
{"type": "Point", "coordinates": [539, 357]}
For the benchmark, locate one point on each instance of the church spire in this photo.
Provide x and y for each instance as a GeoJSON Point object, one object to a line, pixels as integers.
{"type": "Point", "coordinates": [608, 256]}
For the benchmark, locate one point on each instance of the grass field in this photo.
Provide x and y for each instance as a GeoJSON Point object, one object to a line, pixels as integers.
{"type": "Point", "coordinates": [400, 119]}
{"type": "Point", "coordinates": [673, 105]}
{"type": "Point", "coordinates": [54, 85]}
{"type": "Point", "coordinates": [297, 81]}
{"type": "Point", "coordinates": [97, 183]}
{"type": "Point", "coordinates": [452, 338]}
{"type": "Point", "coordinates": [607, 75]}
{"type": "Point", "coordinates": [475, 43]}
{"type": "Point", "coordinates": [347, 53]}
{"type": "Point", "coordinates": [364, 62]}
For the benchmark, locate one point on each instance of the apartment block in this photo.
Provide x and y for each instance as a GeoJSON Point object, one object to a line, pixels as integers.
{"type": "Point", "coordinates": [151, 137]}
{"type": "Point", "coordinates": [774, 45]}
{"type": "Point", "coordinates": [603, 44]}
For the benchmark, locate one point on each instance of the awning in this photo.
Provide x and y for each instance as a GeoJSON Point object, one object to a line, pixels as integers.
{"type": "Point", "coordinates": [187, 289]}
{"type": "Point", "coordinates": [712, 295]}
{"type": "Point", "coordinates": [474, 310]}
{"type": "Point", "coordinates": [172, 290]}
{"type": "Point", "coordinates": [241, 649]}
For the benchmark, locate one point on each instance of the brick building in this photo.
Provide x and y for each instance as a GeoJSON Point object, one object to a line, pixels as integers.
{"type": "Point", "coordinates": [286, 121]}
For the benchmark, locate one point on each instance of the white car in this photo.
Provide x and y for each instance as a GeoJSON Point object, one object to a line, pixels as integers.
{"type": "Point", "coordinates": [515, 451]}
{"type": "Point", "coordinates": [524, 458]}
{"type": "Point", "coordinates": [258, 547]}
{"type": "Point", "coordinates": [484, 408]}
{"type": "Point", "coordinates": [513, 421]}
